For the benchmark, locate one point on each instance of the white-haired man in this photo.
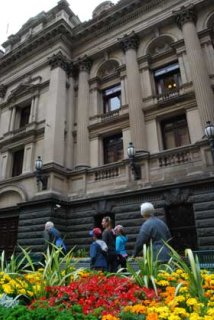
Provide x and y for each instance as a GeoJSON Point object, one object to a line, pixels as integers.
{"type": "Point", "coordinates": [52, 235]}
{"type": "Point", "coordinates": [155, 230]}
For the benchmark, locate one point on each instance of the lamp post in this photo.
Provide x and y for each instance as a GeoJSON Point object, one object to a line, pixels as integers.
{"type": "Point", "coordinates": [209, 133]}
{"type": "Point", "coordinates": [136, 170]}
{"type": "Point", "coordinates": [40, 177]}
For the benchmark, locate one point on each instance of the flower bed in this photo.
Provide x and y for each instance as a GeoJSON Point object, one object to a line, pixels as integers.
{"type": "Point", "coordinates": [155, 292]}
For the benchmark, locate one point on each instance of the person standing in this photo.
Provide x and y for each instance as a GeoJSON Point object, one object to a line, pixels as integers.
{"type": "Point", "coordinates": [155, 230]}
{"type": "Point", "coordinates": [52, 235]}
{"type": "Point", "coordinates": [109, 237]}
{"type": "Point", "coordinates": [121, 240]}
{"type": "Point", "coordinates": [98, 251]}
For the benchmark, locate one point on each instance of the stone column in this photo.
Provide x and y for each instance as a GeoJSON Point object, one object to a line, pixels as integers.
{"type": "Point", "coordinates": [129, 44]}
{"type": "Point", "coordinates": [186, 19]}
{"type": "Point", "coordinates": [54, 141]}
{"type": "Point", "coordinates": [69, 143]}
{"type": "Point", "coordinates": [83, 150]}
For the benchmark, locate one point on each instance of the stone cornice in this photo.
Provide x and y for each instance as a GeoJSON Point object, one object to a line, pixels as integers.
{"type": "Point", "coordinates": [120, 14]}
{"type": "Point", "coordinates": [59, 29]}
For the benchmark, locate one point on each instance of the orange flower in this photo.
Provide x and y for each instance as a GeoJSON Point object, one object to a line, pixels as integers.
{"type": "Point", "coordinates": [152, 316]}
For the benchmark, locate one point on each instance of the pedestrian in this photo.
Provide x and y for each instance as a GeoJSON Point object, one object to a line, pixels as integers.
{"type": "Point", "coordinates": [52, 235]}
{"type": "Point", "coordinates": [98, 251]}
{"type": "Point", "coordinates": [121, 240]}
{"type": "Point", "coordinates": [153, 230]}
{"type": "Point", "coordinates": [109, 237]}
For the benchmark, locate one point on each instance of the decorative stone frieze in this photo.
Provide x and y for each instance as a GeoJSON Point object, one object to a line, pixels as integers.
{"type": "Point", "coordinates": [130, 41]}
{"type": "Point", "coordinates": [185, 14]}
{"type": "Point", "coordinates": [58, 60]}
{"type": "Point", "coordinates": [3, 90]}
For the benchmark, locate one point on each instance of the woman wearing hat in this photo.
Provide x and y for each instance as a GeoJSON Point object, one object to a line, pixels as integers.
{"type": "Point", "coordinates": [98, 251]}
{"type": "Point", "coordinates": [155, 230]}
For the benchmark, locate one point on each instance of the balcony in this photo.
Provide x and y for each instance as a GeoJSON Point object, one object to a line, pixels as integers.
{"type": "Point", "coordinates": [109, 116]}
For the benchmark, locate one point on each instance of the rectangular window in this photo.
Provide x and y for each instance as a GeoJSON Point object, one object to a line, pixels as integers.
{"type": "Point", "coordinates": [112, 98]}
{"type": "Point", "coordinates": [175, 132]}
{"type": "Point", "coordinates": [113, 148]}
{"type": "Point", "coordinates": [24, 116]}
{"type": "Point", "coordinates": [18, 157]}
{"type": "Point", "coordinates": [167, 79]}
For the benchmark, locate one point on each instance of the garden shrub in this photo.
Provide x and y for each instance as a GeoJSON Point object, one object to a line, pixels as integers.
{"type": "Point", "coordinates": [54, 313]}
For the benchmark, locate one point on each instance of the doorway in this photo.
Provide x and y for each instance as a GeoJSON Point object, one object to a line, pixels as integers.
{"type": "Point", "coordinates": [8, 232]}
{"type": "Point", "coordinates": [181, 222]}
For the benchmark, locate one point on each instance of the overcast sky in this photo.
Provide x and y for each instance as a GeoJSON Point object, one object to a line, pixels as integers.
{"type": "Point", "coordinates": [14, 13]}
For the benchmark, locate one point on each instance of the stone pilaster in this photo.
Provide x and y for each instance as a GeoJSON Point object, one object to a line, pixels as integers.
{"type": "Point", "coordinates": [82, 160]}
{"type": "Point", "coordinates": [186, 19]}
{"type": "Point", "coordinates": [69, 143]}
{"type": "Point", "coordinates": [55, 112]}
{"type": "Point", "coordinates": [129, 44]}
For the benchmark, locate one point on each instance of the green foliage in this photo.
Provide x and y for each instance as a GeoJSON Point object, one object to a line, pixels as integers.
{"type": "Point", "coordinates": [80, 253]}
{"type": "Point", "coordinates": [53, 313]}
{"type": "Point", "coordinates": [192, 268]}
{"type": "Point", "coordinates": [57, 266]}
{"type": "Point", "coordinates": [16, 263]}
{"type": "Point", "coordinates": [131, 316]}
{"type": "Point", "coordinates": [148, 269]}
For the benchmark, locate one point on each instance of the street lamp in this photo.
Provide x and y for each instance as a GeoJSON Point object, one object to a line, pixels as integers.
{"type": "Point", "coordinates": [136, 170]}
{"type": "Point", "coordinates": [40, 177]}
{"type": "Point", "coordinates": [209, 133]}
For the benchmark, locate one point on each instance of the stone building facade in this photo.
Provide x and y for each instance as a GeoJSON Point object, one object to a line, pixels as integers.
{"type": "Point", "coordinates": [76, 94]}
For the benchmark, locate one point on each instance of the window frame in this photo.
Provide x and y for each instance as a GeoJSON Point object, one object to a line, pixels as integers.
{"type": "Point", "coordinates": [107, 97]}
{"type": "Point", "coordinates": [107, 149]}
{"type": "Point", "coordinates": [176, 122]}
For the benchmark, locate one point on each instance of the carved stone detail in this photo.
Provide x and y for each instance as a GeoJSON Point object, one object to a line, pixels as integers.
{"type": "Point", "coordinates": [3, 90]}
{"type": "Point", "coordinates": [185, 14]}
{"type": "Point", "coordinates": [176, 196]}
{"type": "Point", "coordinates": [58, 60]}
{"type": "Point", "coordinates": [84, 64]}
{"type": "Point", "coordinates": [130, 41]}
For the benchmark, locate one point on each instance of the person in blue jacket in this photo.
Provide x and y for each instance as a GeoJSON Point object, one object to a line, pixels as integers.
{"type": "Point", "coordinates": [52, 235]}
{"type": "Point", "coordinates": [98, 251]}
{"type": "Point", "coordinates": [121, 240]}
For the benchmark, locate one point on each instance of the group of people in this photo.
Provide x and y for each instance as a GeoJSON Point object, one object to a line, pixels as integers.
{"type": "Point", "coordinates": [108, 248]}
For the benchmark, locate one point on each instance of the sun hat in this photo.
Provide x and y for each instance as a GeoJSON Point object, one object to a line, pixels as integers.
{"type": "Point", "coordinates": [147, 208]}
{"type": "Point", "coordinates": [95, 232]}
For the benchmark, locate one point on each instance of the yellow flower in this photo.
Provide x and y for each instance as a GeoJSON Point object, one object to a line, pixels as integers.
{"type": "Point", "coordinates": [191, 302]}
{"type": "Point", "coordinates": [7, 289]}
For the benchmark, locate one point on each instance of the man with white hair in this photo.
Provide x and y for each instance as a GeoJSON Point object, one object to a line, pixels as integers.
{"type": "Point", "coordinates": [52, 235]}
{"type": "Point", "coordinates": [152, 230]}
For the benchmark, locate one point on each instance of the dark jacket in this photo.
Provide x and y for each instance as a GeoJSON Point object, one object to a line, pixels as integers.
{"type": "Point", "coordinates": [98, 255]}
{"type": "Point", "coordinates": [109, 237]}
{"type": "Point", "coordinates": [155, 230]}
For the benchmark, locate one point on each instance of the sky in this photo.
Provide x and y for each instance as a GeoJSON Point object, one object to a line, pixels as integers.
{"type": "Point", "coordinates": [14, 13]}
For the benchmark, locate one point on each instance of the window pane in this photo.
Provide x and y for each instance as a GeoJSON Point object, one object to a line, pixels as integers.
{"type": "Point", "coordinates": [113, 148]}
{"type": "Point", "coordinates": [175, 132]}
{"type": "Point", "coordinates": [24, 116]}
{"type": "Point", "coordinates": [18, 157]}
{"type": "Point", "coordinates": [111, 98]}
{"type": "Point", "coordinates": [114, 103]}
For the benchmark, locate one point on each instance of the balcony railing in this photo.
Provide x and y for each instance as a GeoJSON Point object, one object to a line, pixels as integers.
{"type": "Point", "coordinates": [106, 173]}
{"type": "Point", "coordinates": [175, 158]}
{"type": "Point", "coordinates": [168, 94]}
